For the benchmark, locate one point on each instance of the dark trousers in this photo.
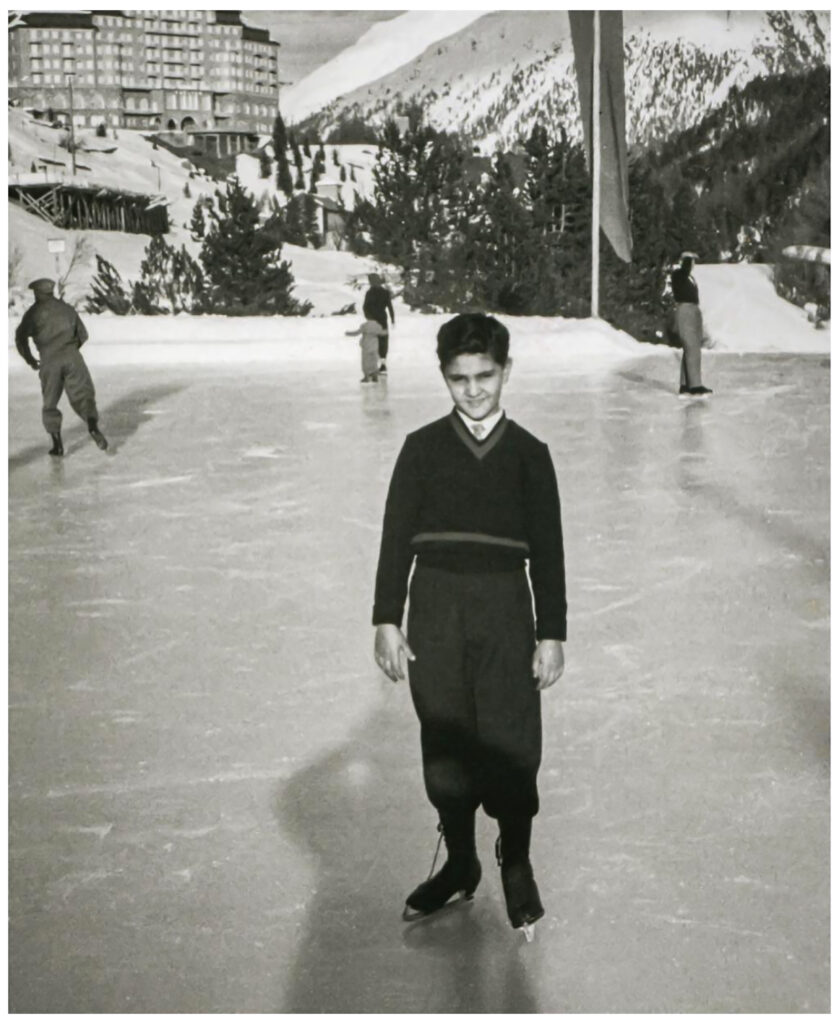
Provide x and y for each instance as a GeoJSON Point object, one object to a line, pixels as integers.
{"type": "Point", "coordinates": [383, 340]}
{"type": "Point", "coordinates": [66, 371]}
{"type": "Point", "coordinates": [474, 692]}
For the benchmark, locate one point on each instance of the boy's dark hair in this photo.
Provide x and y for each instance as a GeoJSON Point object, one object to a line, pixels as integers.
{"type": "Point", "coordinates": [473, 334]}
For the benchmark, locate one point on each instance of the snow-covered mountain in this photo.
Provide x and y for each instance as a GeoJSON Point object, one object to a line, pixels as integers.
{"type": "Point", "coordinates": [384, 48]}
{"type": "Point", "coordinates": [492, 79]}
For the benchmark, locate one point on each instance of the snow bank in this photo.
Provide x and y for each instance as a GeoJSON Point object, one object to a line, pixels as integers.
{"type": "Point", "coordinates": [306, 342]}
{"type": "Point", "coordinates": [742, 314]}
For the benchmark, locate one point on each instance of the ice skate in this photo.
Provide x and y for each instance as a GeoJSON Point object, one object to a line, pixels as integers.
{"type": "Point", "coordinates": [57, 446]}
{"type": "Point", "coordinates": [96, 434]}
{"type": "Point", "coordinates": [521, 894]}
{"type": "Point", "coordinates": [700, 391]}
{"type": "Point", "coordinates": [383, 369]}
{"type": "Point", "coordinates": [455, 882]}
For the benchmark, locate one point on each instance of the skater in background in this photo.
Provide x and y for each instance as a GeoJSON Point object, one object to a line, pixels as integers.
{"type": "Point", "coordinates": [472, 497]}
{"type": "Point", "coordinates": [689, 326]}
{"type": "Point", "coordinates": [58, 333]}
{"type": "Point", "coordinates": [377, 305]}
{"type": "Point", "coordinates": [370, 332]}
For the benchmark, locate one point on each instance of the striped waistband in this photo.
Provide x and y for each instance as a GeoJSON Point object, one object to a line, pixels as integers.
{"type": "Point", "coordinates": [471, 538]}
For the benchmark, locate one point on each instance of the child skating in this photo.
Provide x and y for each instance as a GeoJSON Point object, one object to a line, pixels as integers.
{"type": "Point", "coordinates": [473, 497]}
{"type": "Point", "coordinates": [369, 331]}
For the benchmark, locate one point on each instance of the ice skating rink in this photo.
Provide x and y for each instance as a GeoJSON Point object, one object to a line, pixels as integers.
{"type": "Point", "coordinates": [215, 798]}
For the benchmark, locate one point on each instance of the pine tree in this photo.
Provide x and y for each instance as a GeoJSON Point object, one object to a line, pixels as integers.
{"type": "Point", "coordinates": [293, 227]}
{"type": "Point", "coordinates": [299, 182]}
{"type": "Point", "coordinates": [343, 173]}
{"type": "Point", "coordinates": [108, 293]}
{"type": "Point", "coordinates": [170, 280]}
{"type": "Point", "coordinates": [417, 179]}
{"type": "Point", "coordinates": [283, 172]}
{"type": "Point", "coordinates": [198, 224]}
{"type": "Point", "coordinates": [312, 222]}
{"type": "Point", "coordinates": [242, 268]}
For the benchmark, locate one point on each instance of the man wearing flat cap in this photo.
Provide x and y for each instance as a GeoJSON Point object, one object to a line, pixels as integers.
{"type": "Point", "coordinates": [689, 326]}
{"type": "Point", "coordinates": [58, 333]}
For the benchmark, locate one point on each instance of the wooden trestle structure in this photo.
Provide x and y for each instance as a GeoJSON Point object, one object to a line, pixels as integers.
{"type": "Point", "coordinates": [93, 207]}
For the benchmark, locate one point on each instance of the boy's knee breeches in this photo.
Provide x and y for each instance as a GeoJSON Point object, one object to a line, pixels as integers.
{"type": "Point", "coordinates": [474, 691]}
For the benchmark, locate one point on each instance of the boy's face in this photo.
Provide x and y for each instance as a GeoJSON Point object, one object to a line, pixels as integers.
{"type": "Point", "coordinates": [475, 382]}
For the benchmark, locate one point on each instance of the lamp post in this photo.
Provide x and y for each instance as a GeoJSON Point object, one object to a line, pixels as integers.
{"type": "Point", "coordinates": [72, 130]}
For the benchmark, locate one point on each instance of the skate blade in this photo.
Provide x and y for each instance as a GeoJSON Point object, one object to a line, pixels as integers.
{"type": "Point", "coordinates": [528, 930]}
{"type": "Point", "coordinates": [411, 914]}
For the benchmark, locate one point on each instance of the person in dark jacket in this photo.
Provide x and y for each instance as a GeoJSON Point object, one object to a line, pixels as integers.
{"type": "Point", "coordinates": [58, 333]}
{"type": "Point", "coordinates": [377, 305]}
{"type": "Point", "coordinates": [472, 497]}
{"type": "Point", "coordinates": [689, 326]}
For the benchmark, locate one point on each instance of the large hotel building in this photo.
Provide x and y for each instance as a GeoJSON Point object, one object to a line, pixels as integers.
{"type": "Point", "coordinates": [171, 70]}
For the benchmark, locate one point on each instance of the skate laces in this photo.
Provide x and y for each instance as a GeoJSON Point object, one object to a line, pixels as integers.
{"type": "Point", "coordinates": [437, 851]}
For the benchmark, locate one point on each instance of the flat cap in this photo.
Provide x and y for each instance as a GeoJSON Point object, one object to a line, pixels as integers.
{"type": "Point", "coordinates": [43, 284]}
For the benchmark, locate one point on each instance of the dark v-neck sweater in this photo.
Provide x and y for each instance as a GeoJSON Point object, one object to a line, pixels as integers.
{"type": "Point", "coordinates": [464, 505]}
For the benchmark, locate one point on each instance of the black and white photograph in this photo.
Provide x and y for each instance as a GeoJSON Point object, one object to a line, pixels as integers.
{"type": "Point", "coordinates": [418, 511]}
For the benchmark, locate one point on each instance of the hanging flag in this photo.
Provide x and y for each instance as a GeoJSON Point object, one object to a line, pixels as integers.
{"type": "Point", "coordinates": [614, 171]}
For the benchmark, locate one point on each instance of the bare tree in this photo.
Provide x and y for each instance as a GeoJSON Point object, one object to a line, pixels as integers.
{"type": "Point", "coordinates": [80, 253]}
{"type": "Point", "coordinates": [15, 268]}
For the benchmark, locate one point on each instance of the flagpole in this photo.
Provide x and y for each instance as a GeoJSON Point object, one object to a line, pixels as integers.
{"type": "Point", "coordinates": [595, 169]}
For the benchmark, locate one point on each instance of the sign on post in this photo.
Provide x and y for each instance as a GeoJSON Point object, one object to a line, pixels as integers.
{"type": "Point", "coordinates": [56, 246]}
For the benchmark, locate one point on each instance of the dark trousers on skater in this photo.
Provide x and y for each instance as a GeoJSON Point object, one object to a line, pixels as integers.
{"type": "Point", "coordinates": [474, 692]}
{"type": "Point", "coordinates": [66, 372]}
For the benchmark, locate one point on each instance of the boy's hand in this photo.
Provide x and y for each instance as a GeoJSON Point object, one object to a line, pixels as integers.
{"type": "Point", "coordinates": [548, 663]}
{"type": "Point", "coordinates": [392, 652]}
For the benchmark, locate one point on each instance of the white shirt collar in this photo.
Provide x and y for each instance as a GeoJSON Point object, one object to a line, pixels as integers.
{"type": "Point", "coordinates": [488, 423]}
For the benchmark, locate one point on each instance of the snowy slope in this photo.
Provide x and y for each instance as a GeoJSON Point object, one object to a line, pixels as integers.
{"type": "Point", "coordinates": [328, 279]}
{"type": "Point", "coordinates": [385, 47]}
{"type": "Point", "coordinates": [742, 314]}
{"type": "Point", "coordinates": [360, 159]}
{"type": "Point", "coordinates": [495, 78]}
{"type": "Point", "coordinates": [137, 166]}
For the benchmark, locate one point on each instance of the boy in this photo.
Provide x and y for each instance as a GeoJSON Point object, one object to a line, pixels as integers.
{"type": "Point", "coordinates": [472, 496]}
{"type": "Point", "coordinates": [370, 332]}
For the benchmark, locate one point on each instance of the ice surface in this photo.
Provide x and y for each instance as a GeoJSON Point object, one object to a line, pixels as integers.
{"type": "Point", "coordinates": [215, 798]}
